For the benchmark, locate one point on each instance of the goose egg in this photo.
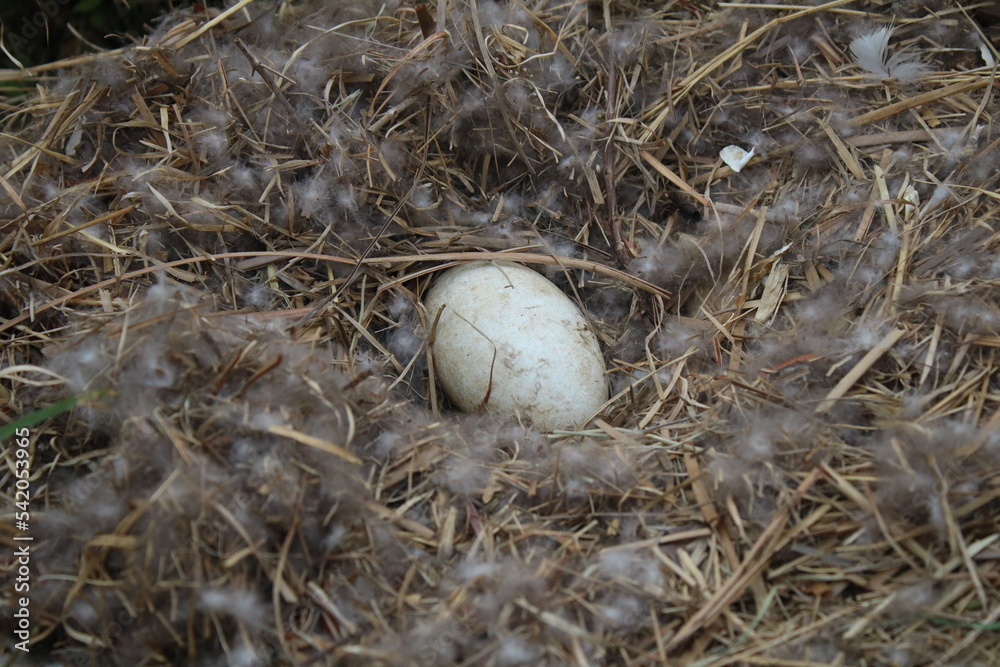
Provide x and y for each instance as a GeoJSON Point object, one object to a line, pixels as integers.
{"type": "Point", "coordinates": [510, 342]}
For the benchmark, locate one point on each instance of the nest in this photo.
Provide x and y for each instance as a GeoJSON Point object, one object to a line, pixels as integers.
{"type": "Point", "coordinates": [215, 246]}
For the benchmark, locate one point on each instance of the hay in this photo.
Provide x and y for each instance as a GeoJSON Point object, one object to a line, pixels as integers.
{"type": "Point", "coordinates": [214, 247]}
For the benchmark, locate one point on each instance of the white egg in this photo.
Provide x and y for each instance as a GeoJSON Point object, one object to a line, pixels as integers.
{"type": "Point", "coordinates": [510, 342]}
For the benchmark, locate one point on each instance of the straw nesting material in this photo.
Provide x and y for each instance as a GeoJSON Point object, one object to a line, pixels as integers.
{"type": "Point", "coordinates": [216, 243]}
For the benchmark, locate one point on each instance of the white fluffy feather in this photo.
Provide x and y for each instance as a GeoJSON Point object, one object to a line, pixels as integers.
{"type": "Point", "coordinates": [871, 52]}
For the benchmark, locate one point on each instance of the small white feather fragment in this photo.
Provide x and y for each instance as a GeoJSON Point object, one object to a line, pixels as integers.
{"type": "Point", "coordinates": [988, 58]}
{"type": "Point", "coordinates": [735, 157]}
{"type": "Point", "coordinates": [73, 142]}
{"type": "Point", "coordinates": [871, 52]}
{"type": "Point", "coordinates": [912, 197]}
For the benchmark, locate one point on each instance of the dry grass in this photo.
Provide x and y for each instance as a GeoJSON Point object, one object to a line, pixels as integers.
{"type": "Point", "coordinates": [218, 240]}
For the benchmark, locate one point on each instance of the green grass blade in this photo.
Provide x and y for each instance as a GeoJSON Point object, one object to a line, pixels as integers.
{"type": "Point", "coordinates": [947, 622]}
{"type": "Point", "coordinates": [39, 416]}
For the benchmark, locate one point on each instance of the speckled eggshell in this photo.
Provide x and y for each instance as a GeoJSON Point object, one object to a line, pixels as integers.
{"type": "Point", "coordinates": [510, 342]}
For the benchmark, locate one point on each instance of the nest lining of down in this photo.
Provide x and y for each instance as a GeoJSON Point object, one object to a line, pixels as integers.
{"type": "Point", "coordinates": [216, 242]}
